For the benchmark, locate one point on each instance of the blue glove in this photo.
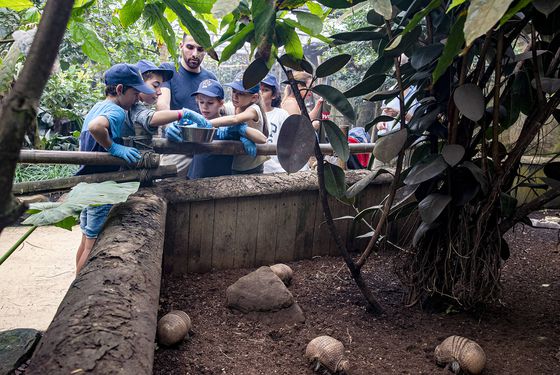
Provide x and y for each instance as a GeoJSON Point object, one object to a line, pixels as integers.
{"type": "Point", "coordinates": [174, 133]}
{"type": "Point", "coordinates": [249, 146]}
{"type": "Point", "coordinates": [239, 130]}
{"type": "Point", "coordinates": [129, 154]}
{"type": "Point", "coordinates": [194, 117]}
{"type": "Point", "coordinates": [222, 134]}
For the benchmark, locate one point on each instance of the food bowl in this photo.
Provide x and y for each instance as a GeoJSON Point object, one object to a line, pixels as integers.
{"type": "Point", "coordinates": [191, 133]}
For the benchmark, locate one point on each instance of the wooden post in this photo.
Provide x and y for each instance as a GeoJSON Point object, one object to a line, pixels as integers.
{"type": "Point", "coordinates": [77, 157]}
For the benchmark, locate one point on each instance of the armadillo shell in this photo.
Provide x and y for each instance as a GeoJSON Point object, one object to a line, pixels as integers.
{"type": "Point", "coordinates": [467, 353]}
{"type": "Point", "coordinates": [283, 271]}
{"type": "Point", "coordinates": [329, 352]}
{"type": "Point", "coordinates": [172, 328]}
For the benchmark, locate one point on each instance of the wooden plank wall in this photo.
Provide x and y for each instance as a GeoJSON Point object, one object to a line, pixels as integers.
{"type": "Point", "coordinates": [250, 231]}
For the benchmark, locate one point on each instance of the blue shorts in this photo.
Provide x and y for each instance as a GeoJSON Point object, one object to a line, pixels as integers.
{"type": "Point", "coordinates": [93, 218]}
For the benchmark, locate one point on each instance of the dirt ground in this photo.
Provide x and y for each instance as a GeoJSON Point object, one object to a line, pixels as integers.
{"type": "Point", "coordinates": [34, 280]}
{"type": "Point", "coordinates": [520, 334]}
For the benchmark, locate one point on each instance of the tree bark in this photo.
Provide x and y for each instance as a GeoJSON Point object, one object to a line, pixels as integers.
{"type": "Point", "coordinates": [19, 108]}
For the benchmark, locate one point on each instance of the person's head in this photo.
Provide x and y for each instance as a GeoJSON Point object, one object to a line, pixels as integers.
{"type": "Point", "coordinates": [124, 83]}
{"type": "Point", "coordinates": [192, 54]}
{"type": "Point", "coordinates": [303, 80]}
{"type": "Point", "coordinates": [241, 97]}
{"type": "Point", "coordinates": [153, 77]}
{"type": "Point", "coordinates": [270, 91]}
{"type": "Point", "coordinates": [210, 98]}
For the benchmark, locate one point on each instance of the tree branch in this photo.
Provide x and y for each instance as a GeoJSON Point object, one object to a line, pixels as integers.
{"type": "Point", "coordinates": [527, 208]}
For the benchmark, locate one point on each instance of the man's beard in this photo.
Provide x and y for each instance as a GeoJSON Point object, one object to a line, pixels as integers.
{"type": "Point", "coordinates": [193, 63]}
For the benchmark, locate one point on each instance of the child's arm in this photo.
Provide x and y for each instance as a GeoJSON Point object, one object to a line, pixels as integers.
{"type": "Point", "coordinates": [248, 116]}
{"type": "Point", "coordinates": [99, 129]}
{"type": "Point", "coordinates": [255, 135]}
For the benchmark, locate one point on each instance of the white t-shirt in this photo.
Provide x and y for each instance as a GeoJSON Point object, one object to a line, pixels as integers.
{"type": "Point", "coordinates": [275, 118]}
{"type": "Point", "coordinates": [396, 105]}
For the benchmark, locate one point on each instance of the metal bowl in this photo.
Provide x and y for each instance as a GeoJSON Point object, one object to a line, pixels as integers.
{"type": "Point", "coordinates": [200, 135]}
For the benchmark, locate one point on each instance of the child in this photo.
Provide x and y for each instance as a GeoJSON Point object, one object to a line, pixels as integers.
{"type": "Point", "coordinates": [247, 109]}
{"type": "Point", "coordinates": [290, 105]}
{"type": "Point", "coordinates": [210, 100]}
{"type": "Point", "coordinates": [102, 126]}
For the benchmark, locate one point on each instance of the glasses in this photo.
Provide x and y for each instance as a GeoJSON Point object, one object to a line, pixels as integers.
{"type": "Point", "coordinates": [192, 47]}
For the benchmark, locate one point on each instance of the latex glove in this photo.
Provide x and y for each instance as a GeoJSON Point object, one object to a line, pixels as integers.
{"type": "Point", "coordinates": [239, 130]}
{"type": "Point", "coordinates": [195, 117]}
{"type": "Point", "coordinates": [129, 154]}
{"type": "Point", "coordinates": [174, 133]}
{"type": "Point", "coordinates": [249, 146]}
{"type": "Point", "coordinates": [222, 134]}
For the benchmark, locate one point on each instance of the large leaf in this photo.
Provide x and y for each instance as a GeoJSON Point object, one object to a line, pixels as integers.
{"type": "Point", "coordinates": [299, 65]}
{"type": "Point", "coordinates": [383, 7]}
{"type": "Point", "coordinates": [482, 16]}
{"type": "Point", "coordinates": [548, 85]}
{"type": "Point", "coordinates": [369, 84]}
{"type": "Point", "coordinates": [374, 18]}
{"type": "Point", "coordinates": [432, 206]}
{"type": "Point", "coordinates": [332, 65]}
{"type": "Point", "coordinates": [420, 15]}
{"type": "Point", "coordinates": [382, 118]}
{"type": "Point", "coordinates": [423, 228]}
{"type": "Point", "coordinates": [92, 46]}
{"type": "Point", "coordinates": [154, 17]}
{"type": "Point", "coordinates": [336, 99]}
{"type": "Point", "coordinates": [422, 56]}
{"type": "Point", "coordinates": [309, 20]}
{"type": "Point", "coordinates": [389, 146]}
{"type": "Point", "coordinates": [453, 46]}
{"type": "Point", "coordinates": [469, 99]}
{"type": "Point", "coordinates": [264, 15]}
{"type": "Point", "coordinates": [16, 5]}
{"type": "Point", "coordinates": [200, 6]}
{"type": "Point", "coordinates": [81, 196]}
{"type": "Point", "coordinates": [296, 143]}
{"type": "Point", "coordinates": [478, 174]}
{"type": "Point", "coordinates": [334, 179]}
{"type": "Point", "coordinates": [337, 139]}
{"type": "Point", "coordinates": [426, 171]}
{"type": "Point", "coordinates": [130, 12]}
{"type": "Point", "coordinates": [237, 41]}
{"type": "Point", "coordinates": [383, 95]}
{"type": "Point", "coordinates": [255, 73]}
{"type": "Point", "coordinates": [546, 6]}
{"type": "Point", "coordinates": [420, 121]}
{"type": "Point", "coordinates": [340, 4]}
{"type": "Point", "coordinates": [297, 25]}
{"type": "Point", "coordinates": [293, 45]}
{"type": "Point", "coordinates": [453, 154]}
{"type": "Point", "coordinates": [221, 8]}
{"type": "Point", "coordinates": [357, 36]}
{"type": "Point", "coordinates": [364, 182]}
{"type": "Point", "coordinates": [196, 28]}
{"type": "Point", "coordinates": [512, 11]}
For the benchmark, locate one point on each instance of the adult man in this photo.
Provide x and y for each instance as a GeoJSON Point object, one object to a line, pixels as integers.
{"type": "Point", "coordinates": [177, 92]}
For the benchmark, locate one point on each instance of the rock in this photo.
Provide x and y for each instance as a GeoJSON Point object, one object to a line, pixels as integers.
{"type": "Point", "coordinates": [261, 290]}
{"type": "Point", "coordinates": [16, 346]}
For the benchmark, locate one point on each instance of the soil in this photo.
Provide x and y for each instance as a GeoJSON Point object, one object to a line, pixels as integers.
{"type": "Point", "coordinates": [519, 333]}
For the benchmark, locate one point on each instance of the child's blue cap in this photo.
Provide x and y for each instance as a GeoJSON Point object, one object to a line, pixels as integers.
{"type": "Point", "coordinates": [237, 84]}
{"type": "Point", "coordinates": [128, 75]}
{"type": "Point", "coordinates": [270, 80]}
{"type": "Point", "coordinates": [148, 66]}
{"type": "Point", "coordinates": [211, 88]}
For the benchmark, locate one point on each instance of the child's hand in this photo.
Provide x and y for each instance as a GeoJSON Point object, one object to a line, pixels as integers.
{"type": "Point", "coordinates": [239, 130]}
{"type": "Point", "coordinates": [173, 133]}
{"type": "Point", "coordinates": [195, 117]}
{"type": "Point", "coordinates": [129, 154]}
{"type": "Point", "coordinates": [249, 146]}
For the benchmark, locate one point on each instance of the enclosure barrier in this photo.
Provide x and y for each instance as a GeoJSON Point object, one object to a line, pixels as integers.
{"type": "Point", "coordinates": [106, 323]}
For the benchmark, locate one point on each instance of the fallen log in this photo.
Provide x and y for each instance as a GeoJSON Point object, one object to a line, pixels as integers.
{"type": "Point", "coordinates": [68, 182]}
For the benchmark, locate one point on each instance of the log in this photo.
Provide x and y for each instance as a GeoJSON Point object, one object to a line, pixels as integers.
{"type": "Point", "coordinates": [77, 157]}
{"type": "Point", "coordinates": [106, 323]}
{"type": "Point", "coordinates": [68, 182]}
{"type": "Point", "coordinates": [163, 146]}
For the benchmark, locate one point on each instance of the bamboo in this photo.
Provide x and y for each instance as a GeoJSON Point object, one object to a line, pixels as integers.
{"type": "Point", "coordinates": [16, 245]}
{"type": "Point", "coordinates": [163, 146]}
{"type": "Point", "coordinates": [66, 183]}
{"type": "Point", "coordinates": [77, 157]}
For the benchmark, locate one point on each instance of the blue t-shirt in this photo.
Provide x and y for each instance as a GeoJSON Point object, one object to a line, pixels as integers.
{"type": "Point", "coordinates": [183, 84]}
{"type": "Point", "coordinates": [116, 117]}
{"type": "Point", "coordinates": [208, 165]}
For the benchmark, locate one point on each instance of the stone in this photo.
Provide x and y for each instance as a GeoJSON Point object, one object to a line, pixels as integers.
{"type": "Point", "coordinates": [16, 346]}
{"type": "Point", "coordinates": [261, 290]}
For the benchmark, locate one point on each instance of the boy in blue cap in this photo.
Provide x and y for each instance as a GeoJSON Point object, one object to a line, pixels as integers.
{"type": "Point", "coordinates": [101, 129]}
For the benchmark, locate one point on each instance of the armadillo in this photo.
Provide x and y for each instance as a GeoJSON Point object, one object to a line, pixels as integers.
{"type": "Point", "coordinates": [327, 352]}
{"type": "Point", "coordinates": [461, 353]}
{"type": "Point", "coordinates": [173, 327]}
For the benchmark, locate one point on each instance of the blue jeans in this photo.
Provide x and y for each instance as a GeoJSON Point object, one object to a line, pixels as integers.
{"type": "Point", "coordinates": [92, 219]}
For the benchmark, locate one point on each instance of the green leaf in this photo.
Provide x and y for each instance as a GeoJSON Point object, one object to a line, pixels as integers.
{"type": "Point", "coordinates": [16, 5]}
{"type": "Point", "coordinates": [155, 18]}
{"type": "Point", "coordinates": [195, 27]}
{"type": "Point", "coordinates": [255, 73]}
{"type": "Point", "coordinates": [340, 4]}
{"type": "Point", "coordinates": [383, 7]}
{"type": "Point", "coordinates": [369, 84]}
{"type": "Point", "coordinates": [382, 118]}
{"type": "Point", "coordinates": [336, 99]}
{"type": "Point", "coordinates": [514, 10]}
{"type": "Point", "coordinates": [337, 139]}
{"type": "Point", "coordinates": [426, 171]}
{"type": "Point", "coordinates": [335, 182]}
{"type": "Point", "coordinates": [222, 8]}
{"type": "Point", "coordinates": [454, 4]}
{"type": "Point", "coordinates": [358, 36]}
{"type": "Point", "coordinates": [478, 174]}
{"type": "Point", "coordinates": [432, 206]}
{"type": "Point", "coordinates": [420, 15]}
{"type": "Point", "coordinates": [332, 65]}
{"type": "Point", "coordinates": [383, 95]}
{"type": "Point", "coordinates": [363, 183]}
{"type": "Point", "coordinates": [81, 196]}
{"type": "Point", "coordinates": [469, 99]}
{"type": "Point", "coordinates": [374, 18]}
{"type": "Point", "coordinates": [389, 146]}
{"type": "Point", "coordinates": [293, 45]}
{"type": "Point", "coordinates": [452, 48]}
{"type": "Point", "coordinates": [482, 16]}
{"type": "Point", "coordinates": [299, 65]}
{"type": "Point", "coordinates": [423, 56]}
{"type": "Point", "coordinates": [264, 15]}
{"type": "Point", "coordinates": [200, 6]}
{"type": "Point", "coordinates": [453, 154]}
{"type": "Point", "coordinates": [296, 142]}
{"type": "Point", "coordinates": [306, 30]}
{"type": "Point", "coordinates": [130, 12]}
{"type": "Point", "coordinates": [310, 21]}
{"type": "Point", "coordinates": [92, 47]}
{"type": "Point", "coordinates": [314, 8]}
{"type": "Point", "coordinates": [237, 41]}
